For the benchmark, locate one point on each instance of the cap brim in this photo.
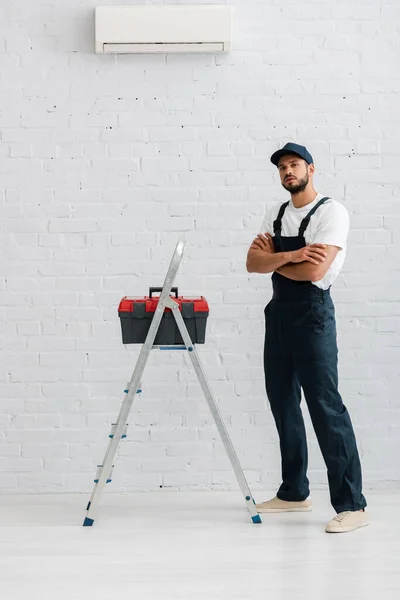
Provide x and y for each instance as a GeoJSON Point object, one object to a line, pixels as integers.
{"type": "Point", "coordinates": [275, 158]}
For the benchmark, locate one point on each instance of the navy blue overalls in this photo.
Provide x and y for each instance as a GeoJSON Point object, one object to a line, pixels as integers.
{"type": "Point", "coordinates": [301, 352]}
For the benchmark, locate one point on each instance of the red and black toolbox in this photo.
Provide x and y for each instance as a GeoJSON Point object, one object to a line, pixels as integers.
{"type": "Point", "coordinates": [136, 315]}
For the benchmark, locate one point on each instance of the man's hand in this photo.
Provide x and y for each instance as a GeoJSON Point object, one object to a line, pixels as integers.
{"type": "Point", "coordinates": [263, 242]}
{"type": "Point", "coordinates": [314, 253]}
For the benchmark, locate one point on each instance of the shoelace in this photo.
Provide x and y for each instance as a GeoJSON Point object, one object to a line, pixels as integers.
{"type": "Point", "coordinates": [341, 516]}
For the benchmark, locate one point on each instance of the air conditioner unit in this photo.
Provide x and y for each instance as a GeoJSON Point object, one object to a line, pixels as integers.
{"type": "Point", "coordinates": [149, 29]}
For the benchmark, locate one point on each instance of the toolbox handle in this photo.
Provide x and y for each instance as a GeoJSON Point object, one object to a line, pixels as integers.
{"type": "Point", "coordinates": [160, 289]}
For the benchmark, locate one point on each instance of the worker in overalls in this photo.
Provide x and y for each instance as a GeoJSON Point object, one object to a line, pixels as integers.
{"type": "Point", "coordinates": [304, 245]}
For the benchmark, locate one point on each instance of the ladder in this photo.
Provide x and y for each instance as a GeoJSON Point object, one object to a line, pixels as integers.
{"type": "Point", "coordinates": [119, 429]}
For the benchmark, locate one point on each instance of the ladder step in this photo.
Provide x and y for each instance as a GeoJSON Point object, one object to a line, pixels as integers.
{"type": "Point", "coordinates": [98, 474]}
{"type": "Point", "coordinates": [168, 348]}
{"type": "Point", "coordinates": [113, 428]}
{"type": "Point", "coordinates": [139, 390]}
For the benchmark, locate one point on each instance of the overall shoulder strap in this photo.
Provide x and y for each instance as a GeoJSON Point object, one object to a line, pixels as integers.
{"type": "Point", "coordinates": [306, 220]}
{"type": "Point", "coordinates": [278, 220]}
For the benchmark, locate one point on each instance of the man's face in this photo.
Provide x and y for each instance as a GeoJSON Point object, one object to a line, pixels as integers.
{"type": "Point", "coordinates": [294, 173]}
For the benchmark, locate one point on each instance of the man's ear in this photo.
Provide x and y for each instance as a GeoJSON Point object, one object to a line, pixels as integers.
{"type": "Point", "coordinates": [311, 169]}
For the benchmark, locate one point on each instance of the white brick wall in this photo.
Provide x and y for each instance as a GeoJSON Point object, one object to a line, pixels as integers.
{"type": "Point", "coordinates": [103, 160]}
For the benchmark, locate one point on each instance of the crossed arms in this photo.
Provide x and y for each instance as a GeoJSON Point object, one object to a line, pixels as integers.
{"type": "Point", "coordinates": [310, 263]}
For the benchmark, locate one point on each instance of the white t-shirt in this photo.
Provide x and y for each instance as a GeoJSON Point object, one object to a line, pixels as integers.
{"type": "Point", "coordinates": [328, 225]}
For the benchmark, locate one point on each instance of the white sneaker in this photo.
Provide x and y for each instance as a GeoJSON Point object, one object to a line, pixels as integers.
{"type": "Point", "coordinates": [276, 506]}
{"type": "Point", "coordinates": [347, 521]}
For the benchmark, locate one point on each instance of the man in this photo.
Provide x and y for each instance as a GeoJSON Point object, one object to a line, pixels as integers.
{"type": "Point", "coordinates": [304, 246]}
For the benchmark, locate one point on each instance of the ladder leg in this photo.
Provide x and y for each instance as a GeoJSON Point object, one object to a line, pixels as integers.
{"type": "Point", "coordinates": [250, 503]}
{"type": "Point", "coordinates": [123, 417]}
{"type": "Point", "coordinates": [113, 445]}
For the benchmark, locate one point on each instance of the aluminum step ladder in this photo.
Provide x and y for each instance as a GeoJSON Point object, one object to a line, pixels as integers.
{"type": "Point", "coordinates": [119, 429]}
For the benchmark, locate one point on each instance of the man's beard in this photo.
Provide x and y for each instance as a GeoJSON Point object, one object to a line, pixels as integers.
{"type": "Point", "coordinates": [297, 187]}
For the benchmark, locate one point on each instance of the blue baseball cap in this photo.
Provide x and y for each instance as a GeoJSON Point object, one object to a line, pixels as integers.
{"type": "Point", "coordinates": [292, 148]}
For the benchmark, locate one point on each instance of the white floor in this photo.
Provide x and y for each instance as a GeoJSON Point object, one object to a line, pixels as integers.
{"type": "Point", "coordinates": [193, 546]}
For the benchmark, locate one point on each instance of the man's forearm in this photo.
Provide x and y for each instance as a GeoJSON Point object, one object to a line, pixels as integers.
{"type": "Point", "coordinates": [304, 271]}
{"type": "Point", "coordinates": [259, 261]}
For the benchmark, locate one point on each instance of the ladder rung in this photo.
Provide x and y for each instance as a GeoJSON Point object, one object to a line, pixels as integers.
{"type": "Point", "coordinates": [139, 390]}
{"type": "Point", "coordinates": [113, 428]}
{"type": "Point", "coordinates": [98, 473]}
{"type": "Point", "coordinates": [169, 348]}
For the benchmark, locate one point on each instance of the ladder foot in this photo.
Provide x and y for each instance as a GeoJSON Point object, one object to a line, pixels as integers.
{"type": "Point", "coordinates": [88, 522]}
{"type": "Point", "coordinates": [256, 519]}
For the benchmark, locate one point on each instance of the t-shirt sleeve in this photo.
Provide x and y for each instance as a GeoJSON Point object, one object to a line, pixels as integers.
{"type": "Point", "coordinates": [333, 227]}
{"type": "Point", "coordinates": [267, 225]}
